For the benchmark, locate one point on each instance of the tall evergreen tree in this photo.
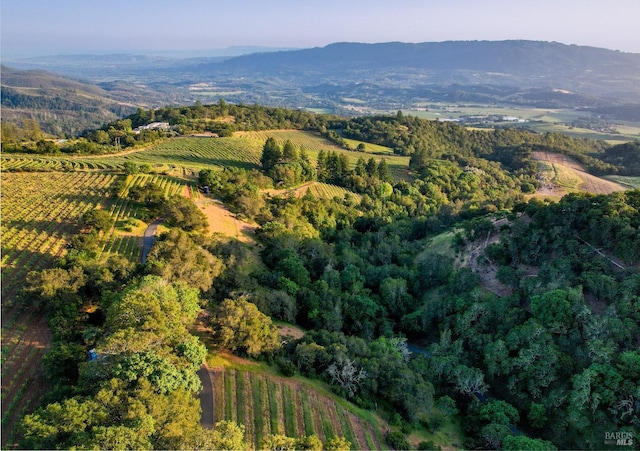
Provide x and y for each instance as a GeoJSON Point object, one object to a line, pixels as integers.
{"type": "Point", "coordinates": [271, 154]}
{"type": "Point", "coordinates": [384, 173]}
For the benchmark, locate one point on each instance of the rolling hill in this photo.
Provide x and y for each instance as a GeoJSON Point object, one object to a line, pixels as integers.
{"type": "Point", "coordinates": [584, 71]}
{"type": "Point", "coordinates": [63, 105]}
{"type": "Point", "coordinates": [373, 77]}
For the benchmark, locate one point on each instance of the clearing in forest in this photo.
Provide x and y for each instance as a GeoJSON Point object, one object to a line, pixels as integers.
{"type": "Point", "coordinates": [560, 174]}
{"type": "Point", "coordinates": [224, 222]}
{"type": "Point", "coordinates": [318, 189]}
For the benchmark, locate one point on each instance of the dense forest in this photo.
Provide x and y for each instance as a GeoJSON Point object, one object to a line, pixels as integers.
{"type": "Point", "coordinates": [548, 360]}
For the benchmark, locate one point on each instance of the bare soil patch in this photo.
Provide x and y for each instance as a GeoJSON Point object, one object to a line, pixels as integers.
{"type": "Point", "coordinates": [298, 191]}
{"type": "Point", "coordinates": [473, 257]}
{"type": "Point", "coordinates": [589, 183]}
{"type": "Point", "coordinates": [286, 330]}
{"type": "Point", "coordinates": [225, 222]}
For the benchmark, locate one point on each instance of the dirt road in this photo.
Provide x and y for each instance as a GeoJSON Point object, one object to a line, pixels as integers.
{"type": "Point", "coordinates": [206, 397]}
{"type": "Point", "coordinates": [149, 238]}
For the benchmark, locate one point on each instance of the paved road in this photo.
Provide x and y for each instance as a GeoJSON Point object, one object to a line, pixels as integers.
{"type": "Point", "coordinates": [206, 397]}
{"type": "Point", "coordinates": [149, 238]}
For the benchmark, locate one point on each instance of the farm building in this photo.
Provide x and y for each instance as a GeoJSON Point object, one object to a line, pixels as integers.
{"type": "Point", "coordinates": [153, 126]}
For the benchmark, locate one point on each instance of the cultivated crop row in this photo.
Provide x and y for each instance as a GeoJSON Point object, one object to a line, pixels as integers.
{"type": "Point", "coordinates": [327, 191]}
{"type": "Point", "coordinates": [198, 153]}
{"type": "Point", "coordinates": [313, 144]}
{"type": "Point", "coordinates": [122, 209]}
{"type": "Point", "coordinates": [44, 164]}
{"type": "Point", "coordinates": [267, 405]}
{"type": "Point", "coordinates": [40, 213]}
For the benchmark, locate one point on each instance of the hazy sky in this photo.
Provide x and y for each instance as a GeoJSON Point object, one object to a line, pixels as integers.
{"type": "Point", "coordinates": [43, 27]}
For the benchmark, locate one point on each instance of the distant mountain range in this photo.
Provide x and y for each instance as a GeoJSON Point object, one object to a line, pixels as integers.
{"type": "Point", "coordinates": [523, 64]}
{"type": "Point", "coordinates": [383, 76]}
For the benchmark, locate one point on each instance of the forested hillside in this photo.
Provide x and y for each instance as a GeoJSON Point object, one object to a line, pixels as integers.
{"type": "Point", "coordinates": [441, 294]}
{"type": "Point", "coordinates": [64, 106]}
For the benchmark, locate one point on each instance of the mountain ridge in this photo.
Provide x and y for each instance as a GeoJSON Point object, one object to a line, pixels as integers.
{"type": "Point", "coordinates": [382, 76]}
{"type": "Point", "coordinates": [528, 60]}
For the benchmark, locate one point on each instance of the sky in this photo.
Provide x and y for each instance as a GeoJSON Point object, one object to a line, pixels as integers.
{"type": "Point", "coordinates": [52, 27]}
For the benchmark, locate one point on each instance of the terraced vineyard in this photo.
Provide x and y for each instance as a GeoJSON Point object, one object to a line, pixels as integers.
{"type": "Point", "coordinates": [269, 405]}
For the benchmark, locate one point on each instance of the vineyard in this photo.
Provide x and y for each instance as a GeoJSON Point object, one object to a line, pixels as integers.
{"type": "Point", "coordinates": [43, 198]}
{"type": "Point", "coordinates": [314, 143]}
{"type": "Point", "coordinates": [125, 238]}
{"type": "Point", "coordinates": [317, 189]}
{"type": "Point", "coordinates": [178, 153]}
{"type": "Point", "coordinates": [311, 142]}
{"type": "Point", "coordinates": [39, 213]}
{"type": "Point", "coordinates": [271, 405]}
{"type": "Point", "coordinates": [327, 191]}
{"type": "Point", "coordinates": [199, 153]}
{"type": "Point", "coordinates": [193, 154]}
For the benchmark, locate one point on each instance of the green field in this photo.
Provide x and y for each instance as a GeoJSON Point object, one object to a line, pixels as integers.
{"type": "Point", "coordinates": [184, 152]}
{"type": "Point", "coordinates": [314, 143]}
{"type": "Point", "coordinates": [538, 119]}
{"type": "Point", "coordinates": [630, 182]}
{"type": "Point", "coordinates": [369, 147]}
